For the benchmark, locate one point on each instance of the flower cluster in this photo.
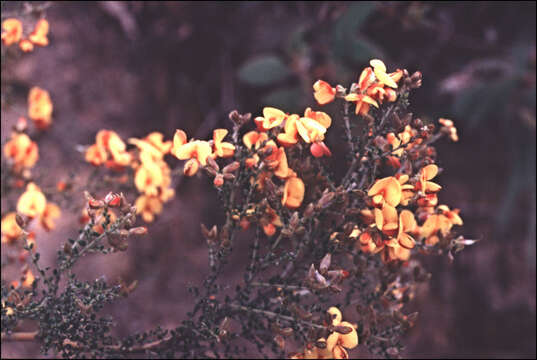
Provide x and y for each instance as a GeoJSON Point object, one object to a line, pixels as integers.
{"type": "Point", "coordinates": [342, 336]}
{"type": "Point", "coordinates": [12, 33]}
{"type": "Point", "coordinates": [152, 175]}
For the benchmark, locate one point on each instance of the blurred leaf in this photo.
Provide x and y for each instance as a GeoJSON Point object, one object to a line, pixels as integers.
{"type": "Point", "coordinates": [346, 46]}
{"type": "Point", "coordinates": [480, 101]}
{"type": "Point", "coordinates": [263, 70]}
{"type": "Point", "coordinates": [289, 98]}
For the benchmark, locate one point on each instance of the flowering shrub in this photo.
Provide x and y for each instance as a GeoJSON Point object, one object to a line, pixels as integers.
{"type": "Point", "coordinates": [323, 247]}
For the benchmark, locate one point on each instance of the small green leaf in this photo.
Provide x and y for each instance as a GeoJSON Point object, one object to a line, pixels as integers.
{"type": "Point", "coordinates": [263, 70]}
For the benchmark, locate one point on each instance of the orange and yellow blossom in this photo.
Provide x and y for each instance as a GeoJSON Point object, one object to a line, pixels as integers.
{"type": "Point", "coordinates": [32, 202]}
{"type": "Point", "coordinates": [448, 124]}
{"type": "Point", "coordinates": [271, 118]}
{"type": "Point", "coordinates": [374, 86]}
{"type": "Point", "coordinates": [108, 149]}
{"type": "Point", "coordinates": [22, 151]}
{"type": "Point", "coordinates": [221, 148]}
{"type": "Point", "coordinates": [196, 151]}
{"type": "Point", "coordinates": [336, 343]}
{"type": "Point", "coordinates": [39, 35]}
{"type": "Point", "coordinates": [428, 173]}
{"type": "Point", "coordinates": [253, 141]}
{"type": "Point", "coordinates": [10, 229]}
{"type": "Point", "coordinates": [11, 31]}
{"type": "Point", "coordinates": [439, 224]}
{"type": "Point", "coordinates": [387, 190]}
{"type": "Point", "coordinates": [51, 213]}
{"type": "Point", "coordinates": [293, 192]}
{"type": "Point", "coordinates": [40, 107]}
{"type": "Point", "coordinates": [311, 129]}
{"type": "Point", "coordinates": [148, 206]}
{"type": "Point", "coordinates": [324, 93]}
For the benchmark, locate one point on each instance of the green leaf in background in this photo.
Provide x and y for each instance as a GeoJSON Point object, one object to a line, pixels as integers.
{"type": "Point", "coordinates": [263, 70]}
{"type": "Point", "coordinates": [288, 99]}
{"type": "Point", "coordinates": [346, 44]}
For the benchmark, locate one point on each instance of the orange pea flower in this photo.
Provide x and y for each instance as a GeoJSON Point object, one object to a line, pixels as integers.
{"type": "Point", "coordinates": [428, 173]}
{"type": "Point", "coordinates": [11, 31]}
{"type": "Point", "coordinates": [32, 202]}
{"type": "Point", "coordinates": [96, 155]}
{"type": "Point", "coordinates": [271, 118]}
{"type": "Point", "coordinates": [362, 103]}
{"type": "Point", "coordinates": [339, 343]}
{"type": "Point", "coordinates": [293, 192]}
{"type": "Point", "coordinates": [148, 178]}
{"type": "Point", "coordinates": [26, 45]}
{"type": "Point", "coordinates": [152, 145]}
{"type": "Point", "coordinates": [40, 107]}
{"type": "Point", "coordinates": [10, 230]}
{"type": "Point", "coordinates": [22, 151]}
{"type": "Point", "coordinates": [290, 135]}
{"type": "Point", "coordinates": [387, 219]}
{"type": "Point", "coordinates": [222, 149]}
{"type": "Point", "coordinates": [386, 190]}
{"type": "Point", "coordinates": [254, 139]}
{"type": "Point", "coordinates": [195, 149]}
{"type": "Point", "coordinates": [324, 93]}
{"type": "Point", "coordinates": [148, 206]}
{"type": "Point", "coordinates": [39, 35]}
{"type": "Point", "coordinates": [450, 128]}
{"type": "Point", "coordinates": [52, 212]}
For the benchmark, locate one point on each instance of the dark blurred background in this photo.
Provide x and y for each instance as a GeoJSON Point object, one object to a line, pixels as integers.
{"type": "Point", "coordinates": [139, 67]}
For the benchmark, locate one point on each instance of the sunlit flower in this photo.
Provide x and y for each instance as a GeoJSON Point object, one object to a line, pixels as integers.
{"type": "Point", "coordinates": [450, 128]}
{"type": "Point", "coordinates": [387, 219]}
{"type": "Point", "coordinates": [362, 102]}
{"type": "Point", "coordinates": [111, 142]}
{"type": "Point", "coordinates": [324, 93]}
{"type": "Point", "coordinates": [40, 107]}
{"type": "Point", "coordinates": [428, 173]}
{"type": "Point", "coordinates": [380, 73]}
{"type": "Point", "coordinates": [254, 139]}
{"type": "Point", "coordinates": [148, 178]}
{"type": "Point", "coordinates": [271, 118]}
{"type": "Point", "coordinates": [26, 45]}
{"type": "Point", "coordinates": [11, 31]}
{"type": "Point", "coordinates": [195, 149]}
{"type": "Point", "coordinates": [148, 206]}
{"type": "Point", "coordinates": [51, 213]}
{"type": "Point", "coordinates": [29, 279]}
{"type": "Point", "coordinates": [222, 149]}
{"type": "Point", "coordinates": [96, 155]}
{"type": "Point", "coordinates": [32, 202]}
{"type": "Point", "coordinates": [386, 190]}
{"type": "Point", "coordinates": [22, 151]}
{"type": "Point", "coordinates": [39, 35]}
{"type": "Point", "coordinates": [439, 224]}
{"type": "Point", "coordinates": [10, 230]}
{"type": "Point", "coordinates": [337, 343]}
{"type": "Point", "coordinates": [293, 192]}
{"type": "Point", "coordinates": [407, 190]}
{"type": "Point", "coordinates": [289, 136]}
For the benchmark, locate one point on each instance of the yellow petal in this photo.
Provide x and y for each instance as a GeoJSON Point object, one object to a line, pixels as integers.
{"type": "Point", "coordinates": [378, 65]}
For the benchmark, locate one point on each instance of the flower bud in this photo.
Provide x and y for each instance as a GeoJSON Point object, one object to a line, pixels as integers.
{"type": "Point", "coordinates": [230, 168]}
{"type": "Point", "coordinates": [218, 180]}
{"type": "Point", "coordinates": [140, 230]}
{"type": "Point", "coordinates": [112, 199]}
